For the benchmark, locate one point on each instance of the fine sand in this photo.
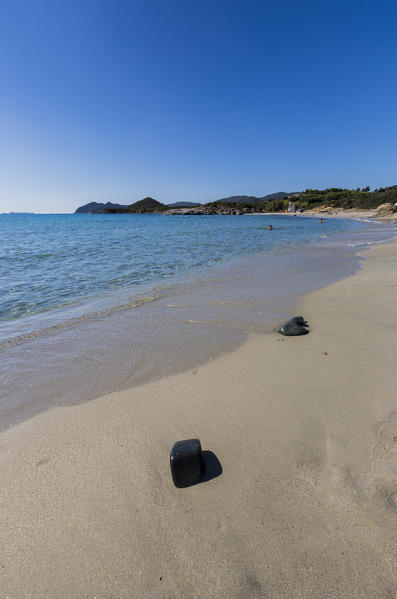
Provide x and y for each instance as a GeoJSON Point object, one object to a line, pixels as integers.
{"type": "Point", "coordinates": [306, 507]}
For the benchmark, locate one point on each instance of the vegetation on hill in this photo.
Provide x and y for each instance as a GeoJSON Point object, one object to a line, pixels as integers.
{"type": "Point", "coordinates": [183, 205]}
{"type": "Point", "coordinates": [251, 200]}
{"type": "Point", "coordinates": [96, 207]}
{"type": "Point", "coordinates": [142, 206]}
{"type": "Point", "coordinates": [334, 197]}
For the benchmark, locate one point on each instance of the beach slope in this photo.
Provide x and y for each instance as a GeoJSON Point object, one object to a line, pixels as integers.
{"type": "Point", "coordinates": [306, 506]}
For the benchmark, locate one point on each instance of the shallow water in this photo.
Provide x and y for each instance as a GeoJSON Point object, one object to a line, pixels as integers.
{"type": "Point", "coordinates": [95, 303]}
{"type": "Point", "coordinates": [48, 262]}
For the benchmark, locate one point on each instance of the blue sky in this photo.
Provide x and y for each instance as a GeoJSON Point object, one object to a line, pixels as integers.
{"type": "Point", "coordinates": [116, 100]}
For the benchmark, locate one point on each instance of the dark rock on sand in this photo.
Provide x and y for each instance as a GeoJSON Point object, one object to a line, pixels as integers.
{"type": "Point", "coordinates": [186, 463]}
{"type": "Point", "coordinates": [294, 327]}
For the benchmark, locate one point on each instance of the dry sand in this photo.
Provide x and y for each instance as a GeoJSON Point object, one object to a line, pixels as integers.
{"type": "Point", "coordinates": [306, 507]}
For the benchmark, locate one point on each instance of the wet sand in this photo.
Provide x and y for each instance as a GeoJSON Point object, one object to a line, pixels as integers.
{"type": "Point", "coordinates": [306, 506]}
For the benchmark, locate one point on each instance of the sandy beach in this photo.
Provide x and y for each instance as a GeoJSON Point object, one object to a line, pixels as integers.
{"type": "Point", "coordinates": [337, 213]}
{"type": "Point", "coordinates": [305, 430]}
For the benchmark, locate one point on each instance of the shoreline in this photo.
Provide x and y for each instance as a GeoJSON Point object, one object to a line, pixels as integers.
{"type": "Point", "coordinates": [337, 213]}
{"type": "Point", "coordinates": [349, 213]}
{"type": "Point", "coordinates": [305, 507]}
{"type": "Point", "coordinates": [201, 315]}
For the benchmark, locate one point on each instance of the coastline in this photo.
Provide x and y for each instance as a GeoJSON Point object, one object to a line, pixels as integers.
{"type": "Point", "coordinates": [305, 431]}
{"type": "Point", "coordinates": [134, 335]}
{"type": "Point", "coordinates": [337, 213]}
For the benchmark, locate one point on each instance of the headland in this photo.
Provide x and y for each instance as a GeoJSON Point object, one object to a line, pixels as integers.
{"type": "Point", "coordinates": [378, 202]}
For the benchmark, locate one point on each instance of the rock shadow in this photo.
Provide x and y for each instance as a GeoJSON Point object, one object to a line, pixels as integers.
{"type": "Point", "coordinates": [212, 466]}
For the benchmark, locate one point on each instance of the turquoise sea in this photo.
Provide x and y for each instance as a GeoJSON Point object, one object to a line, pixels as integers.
{"type": "Point", "coordinates": [91, 303]}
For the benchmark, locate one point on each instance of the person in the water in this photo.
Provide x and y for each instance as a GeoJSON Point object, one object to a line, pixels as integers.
{"type": "Point", "coordinates": [270, 227]}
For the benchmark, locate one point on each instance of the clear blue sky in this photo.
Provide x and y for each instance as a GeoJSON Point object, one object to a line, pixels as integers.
{"type": "Point", "coordinates": [114, 100]}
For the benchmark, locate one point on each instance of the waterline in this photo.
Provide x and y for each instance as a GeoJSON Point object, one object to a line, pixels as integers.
{"type": "Point", "coordinates": [124, 338]}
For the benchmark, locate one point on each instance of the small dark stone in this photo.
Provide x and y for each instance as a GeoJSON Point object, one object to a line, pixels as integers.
{"type": "Point", "coordinates": [294, 326]}
{"type": "Point", "coordinates": [299, 320]}
{"type": "Point", "coordinates": [186, 463]}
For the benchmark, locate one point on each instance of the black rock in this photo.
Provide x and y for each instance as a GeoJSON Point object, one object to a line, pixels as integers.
{"type": "Point", "coordinates": [294, 326]}
{"type": "Point", "coordinates": [186, 463]}
{"type": "Point", "coordinates": [299, 320]}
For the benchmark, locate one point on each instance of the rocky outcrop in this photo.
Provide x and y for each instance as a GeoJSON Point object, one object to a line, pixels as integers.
{"type": "Point", "coordinates": [385, 210]}
{"type": "Point", "coordinates": [294, 327]}
{"type": "Point", "coordinates": [206, 210]}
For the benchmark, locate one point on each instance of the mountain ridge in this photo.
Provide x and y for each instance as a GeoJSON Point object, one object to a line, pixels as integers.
{"type": "Point", "coordinates": [254, 199]}
{"type": "Point", "coordinates": [109, 207]}
{"type": "Point", "coordinates": [95, 207]}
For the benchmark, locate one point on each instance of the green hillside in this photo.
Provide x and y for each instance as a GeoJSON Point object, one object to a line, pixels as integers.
{"type": "Point", "coordinates": [335, 197]}
{"type": "Point", "coordinates": [140, 207]}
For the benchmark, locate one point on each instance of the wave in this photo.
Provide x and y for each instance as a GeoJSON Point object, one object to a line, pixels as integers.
{"type": "Point", "coordinates": [136, 303]}
{"type": "Point", "coordinates": [361, 243]}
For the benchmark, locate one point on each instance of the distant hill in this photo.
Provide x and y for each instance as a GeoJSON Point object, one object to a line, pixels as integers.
{"type": "Point", "coordinates": [255, 200]}
{"type": "Point", "coordinates": [96, 207]}
{"type": "Point", "coordinates": [183, 205]}
{"type": "Point", "coordinates": [335, 197]}
{"type": "Point", "coordinates": [239, 200]}
{"type": "Point", "coordinates": [278, 195]}
{"type": "Point", "coordinates": [146, 205]}
{"type": "Point", "coordinates": [140, 207]}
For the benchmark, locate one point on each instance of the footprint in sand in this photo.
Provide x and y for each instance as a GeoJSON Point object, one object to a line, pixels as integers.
{"type": "Point", "coordinates": [385, 461]}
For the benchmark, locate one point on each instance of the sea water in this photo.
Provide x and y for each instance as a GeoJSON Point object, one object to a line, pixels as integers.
{"type": "Point", "coordinates": [95, 303]}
